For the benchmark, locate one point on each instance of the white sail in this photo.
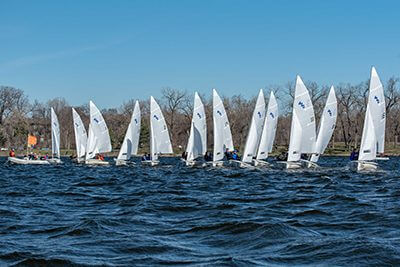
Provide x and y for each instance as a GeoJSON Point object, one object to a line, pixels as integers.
{"type": "Point", "coordinates": [222, 130]}
{"type": "Point", "coordinates": [376, 102]}
{"type": "Point", "coordinates": [269, 129]}
{"type": "Point", "coordinates": [159, 140]}
{"type": "Point", "coordinates": [131, 141]}
{"type": "Point", "coordinates": [368, 139]}
{"type": "Point", "coordinates": [197, 144]}
{"type": "Point", "coordinates": [302, 132]}
{"type": "Point", "coordinates": [99, 137]}
{"type": "Point", "coordinates": [373, 136]}
{"type": "Point", "coordinates": [55, 135]}
{"type": "Point", "coordinates": [326, 125]}
{"type": "Point", "coordinates": [255, 131]}
{"type": "Point", "coordinates": [80, 135]}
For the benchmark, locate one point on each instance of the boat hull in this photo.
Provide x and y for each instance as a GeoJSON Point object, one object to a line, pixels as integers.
{"type": "Point", "coordinates": [55, 161]}
{"type": "Point", "coordinates": [364, 166]}
{"type": "Point", "coordinates": [150, 162]}
{"type": "Point", "coordinates": [96, 162]}
{"type": "Point", "coordinates": [26, 161]}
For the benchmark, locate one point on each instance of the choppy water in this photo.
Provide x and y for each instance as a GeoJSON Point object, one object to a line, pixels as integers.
{"type": "Point", "coordinates": [170, 215]}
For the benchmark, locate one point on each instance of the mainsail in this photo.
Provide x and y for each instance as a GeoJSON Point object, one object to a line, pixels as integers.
{"type": "Point", "coordinates": [99, 138]}
{"type": "Point", "coordinates": [159, 140]}
{"type": "Point", "coordinates": [269, 129]}
{"type": "Point", "coordinates": [80, 135]}
{"type": "Point", "coordinates": [255, 131]}
{"type": "Point", "coordinates": [302, 132]}
{"type": "Point", "coordinates": [131, 141]}
{"type": "Point", "coordinates": [197, 144]}
{"type": "Point", "coordinates": [326, 126]}
{"type": "Point", "coordinates": [222, 130]}
{"type": "Point", "coordinates": [373, 136]}
{"type": "Point", "coordinates": [55, 135]}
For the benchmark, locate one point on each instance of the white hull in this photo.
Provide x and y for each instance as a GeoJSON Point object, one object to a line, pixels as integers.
{"type": "Point", "coordinates": [55, 161]}
{"type": "Point", "coordinates": [260, 163]}
{"type": "Point", "coordinates": [120, 162]}
{"type": "Point", "coordinates": [150, 162]}
{"type": "Point", "coordinates": [96, 162]}
{"type": "Point", "coordinates": [193, 163]}
{"type": "Point", "coordinates": [26, 161]}
{"type": "Point", "coordinates": [239, 164]}
{"type": "Point", "coordinates": [217, 163]}
{"type": "Point", "coordinates": [364, 166]}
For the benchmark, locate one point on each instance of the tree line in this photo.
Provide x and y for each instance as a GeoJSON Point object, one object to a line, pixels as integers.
{"type": "Point", "coordinates": [19, 116]}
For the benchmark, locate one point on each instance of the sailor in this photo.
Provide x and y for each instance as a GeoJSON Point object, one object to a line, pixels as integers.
{"type": "Point", "coordinates": [228, 154]}
{"type": "Point", "coordinates": [354, 154]}
{"type": "Point", "coordinates": [235, 155]}
{"type": "Point", "coordinates": [208, 156]}
{"type": "Point", "coordinates": [12, 153]}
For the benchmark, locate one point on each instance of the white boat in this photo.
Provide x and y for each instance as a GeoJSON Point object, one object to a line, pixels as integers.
{"type": "Point", "coordinates": [27, 161]}
{"type": "Point", "coordinates": [197, 143]}
{"type": "Point", "coordinates": [255, 131]}
{"type": "Point", "coordinates": [98, 138]}
{"type": "Point", "coordinates": [55, 139]}
{"type": "Point", "coordinates": [326, 127]}
{"type": "Point", "coordinates": [373, 136]}
{"type": "Point", "coordinates": [302, 132]}
{"type": "Point", "coordinates": [131, 141]}
{"type": "Point", "coordinates": [80, 137]}
{"type": "Point", "coordinates": [160, 141]}
{"type": "Point", "coordinates": [268, 132]}
{"type": "Point", "coordinates": [222, 131]}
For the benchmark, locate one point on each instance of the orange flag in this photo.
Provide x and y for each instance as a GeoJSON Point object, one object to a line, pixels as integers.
{"type": "Point", "coordinates": [32, 140]}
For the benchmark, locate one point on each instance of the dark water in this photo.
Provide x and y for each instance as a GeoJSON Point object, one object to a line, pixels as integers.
{"type": "Point", "coordinates": [173, 215]}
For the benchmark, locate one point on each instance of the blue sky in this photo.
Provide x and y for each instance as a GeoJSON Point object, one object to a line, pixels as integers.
{"type": "Point", "coordinates": [111, 51]}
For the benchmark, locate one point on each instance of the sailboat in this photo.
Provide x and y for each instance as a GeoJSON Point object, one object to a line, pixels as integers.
{"type": "Point", "coordinates": [255, 131]}
{"type": "Point", "coordinates": [302, 132]}
{"type": "Point", "coordinates": [29, 159]}
{"type": "Point", "coordinates": [326, 127]}
{"type": "Point", "coordinates": [55, 139]}
{"type": "Point", "coordinates": [268, 132]}
{"type": "Point", "coordinates": [373, 136]}
{"type": "Point", "coordinates": [80, 137]}
{"type": "Point", "coordinates": [222, 131]}
{"type": "Point", "coordinates": [197, 143]}
{"type": "Point", "coordinates": [159, 135]}
{"type": "Point", "coordinates": [131, 141]}
{"type": "Point", "coordinates": [98, 137]}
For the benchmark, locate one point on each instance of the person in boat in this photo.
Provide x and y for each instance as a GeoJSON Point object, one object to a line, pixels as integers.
{"type": "Point", "coordinates": [228, 154]}
{"type": "Point", "coordinates": [12, 153]}
{"type": "Point", "coordinates": [304, 156]}
{"type": "Point", "coordinates": [100, 157]}
{"type": "Point", "coordinates": [354, 154]}
{"type": "Point", "coordinates": [235, 155]}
